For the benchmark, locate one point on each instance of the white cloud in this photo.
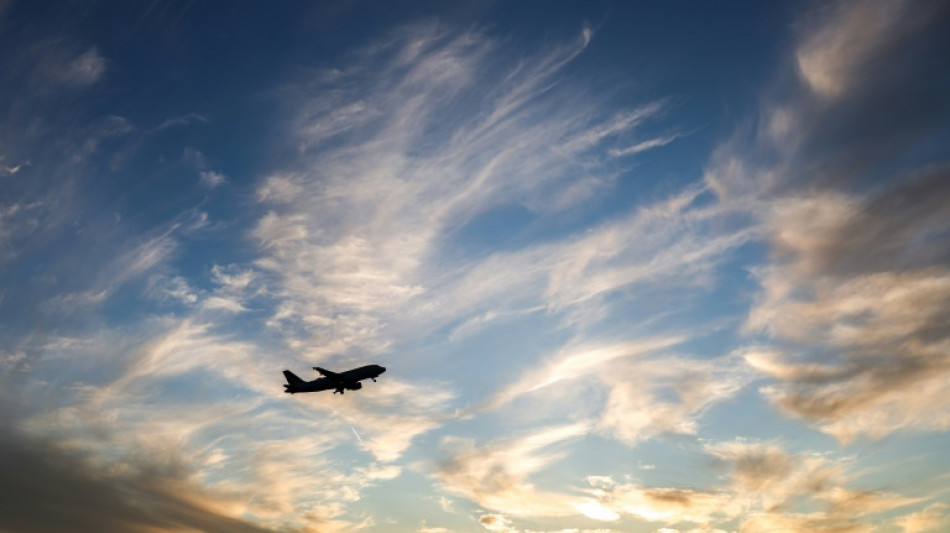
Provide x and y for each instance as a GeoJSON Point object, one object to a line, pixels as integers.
{"type": "Point", "coordinates": [223, 304]}
{"type": "Point", "coordinates": [357, 236]}
{"type": "Point", "coordinates": [75, 301]}
{"type": "Point", "coordinates": [496, 522]}
{"type": "Point", "coordinates": [853, 292]}
{"type": "Point", "coordinates": [165, 288]}
{"type": "Point", "coordinates": [649, 390]}
{"type": "Point", "coordinates": [18, 221]}
{"type": "Point", "coordinates": [763, 483]}
{"type": "Point", "coordinates": [145, 257]}
{"type": "Point", "coordinates": [144, 416]}
{"type": "Point", "coordinates": [665, 395]}
{"type": "Point", "coordinates": [211, 179]}
{"type": "Point", "coordinates": [181, 120]}
{"type": "Point", "coordinates": [931, 518]}
{"type": "Point", "coordinates": [578, 362]}
{"type": "Point", "coordinates": [643, 146]}
{"type": "Point", "coordinates": [84, 69]}
{"type": "Point", "coordinates": [445, 504]}
{"type": "Point", "coordinates": [12, 170]}
{"type": "Point", "coordinates": [497, 476]}
{"type": "Point", "coordinates": [423, 528]}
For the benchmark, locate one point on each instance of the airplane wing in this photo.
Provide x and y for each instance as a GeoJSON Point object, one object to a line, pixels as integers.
{"type": "Point", "coordinates": [326, 373]}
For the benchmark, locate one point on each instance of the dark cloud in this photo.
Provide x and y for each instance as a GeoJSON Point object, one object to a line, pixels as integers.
{"type": "Point", "coordinates": [762, 467]}
{"type": "Point", "coordinates": [848, 170]}
{"type": "Point", "coordinates": [863, 98]}
{"type": "Point", "coordinates": [45, 488]}
{"type": "Point", "coordinates": [492, 520]}
{"type": "Point", "coordinates": [894, 100]}
{"type": "Point", "coordinates": [862, 284]}
{"type": "Point", "coordinates": [903, 227]}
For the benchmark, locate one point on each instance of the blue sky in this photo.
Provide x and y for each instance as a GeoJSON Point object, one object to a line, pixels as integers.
{"type": "Point", "coordinates": [647, 268]}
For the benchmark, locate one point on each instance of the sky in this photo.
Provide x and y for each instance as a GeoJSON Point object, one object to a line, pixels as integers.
{"type": "Point", "coordinates": [645, 267]}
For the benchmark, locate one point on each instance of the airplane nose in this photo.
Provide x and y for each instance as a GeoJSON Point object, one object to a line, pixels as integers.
{"type": "Point", "coordinates": [382, 369]}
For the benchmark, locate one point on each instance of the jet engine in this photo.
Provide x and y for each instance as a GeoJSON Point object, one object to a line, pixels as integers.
{"type": "Point", "coordinates": [354, 386]}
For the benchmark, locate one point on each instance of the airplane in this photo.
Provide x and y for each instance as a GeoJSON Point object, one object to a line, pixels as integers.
{"type": "Point", "coordinates": [339, 382]}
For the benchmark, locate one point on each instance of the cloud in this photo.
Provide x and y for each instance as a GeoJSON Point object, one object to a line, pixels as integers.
{"type": "Point", "coordinates": [849, 37]}
{"type": "Point", "coordinates": [146, 256]}
{"type": "Point", "coordinates": [854, 290]}
{"type": "Point", "coordinates": [664, 505]}
{"type": "Point", "coordinates": [12, 170]}
{"type": "Point", "coordinates": [696, 530]}
{"type": "Point", "coordinates": [76, 301]}
{"type": "Point", "coordinates": [764, 483]}
{"type": "Point", "coordinates": [649, 390]}
{"type": "Point", "coordinates": [665, 395]}
{"type": "Point", "coordinates": [398, 158]}
{"type": "Point", "coordinates": [643, 146]}
{"type": "Point", "coordinates": [223, 304]}
{"type": "Point", "coordinates": [211, 179]}
{"type": "Point", "coordinates": [575, 363]}
{"type": "Point", "coordinates": [858, 277]}
{"type": "Point", "coordinates": [398, 413]}
{"type": "Point", "coordinates": [165, 288]}
{"type": "Point", "coordinates": [802, 523]}
{"type": "Point", "coordinates": [84, 69]}
{"type": "Point", "coordinates": [931, 518]}
{"type": "Point", "coordinates": [181, 120]}
{"type": "Point", "coordinates": [49, 489]}
{"type": "Point", "coordinates": [495, 522]}
{"type": "Point", "coordinates": [445, 504]}
{"type": "Point", "coordinates": [128, 406]}
{"type": "Point", "coordinates": [129, 265]}
{"type": "Point", "coordinates": [423, 528]}
{"type": "Point", "coordinates": [366, 249]}
{"type": "Point", "coordinates": [17, 222]}
{"type": "Point", "coordinates": [496, 476]}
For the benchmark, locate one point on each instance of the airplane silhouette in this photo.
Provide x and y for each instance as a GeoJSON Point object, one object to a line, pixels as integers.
{"type": "Point", "coordinates": [338, 382]}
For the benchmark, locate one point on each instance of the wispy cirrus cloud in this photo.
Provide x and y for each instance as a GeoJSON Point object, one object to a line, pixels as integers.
{"type": "Point", "coordinates": [404, 158]}
{"type": "Point", "coordinates": [667, 395]}
{"type": "Point", "coordinates": [765, 486]}
{"type": "Point", "coordinates": [84, 69]}
{"type": "Point", "coordinates": [17, 221]}
{"type": "Point", "coordinates": [181, 120]}
{"type": "Point", "coordinates": [497, 476]}
{"type": "Point", "coordinates": [643, 146]}
{"type": "Point", "coordinates": [211, 179]}
{"type": "Point", "coordinates": [649, 389]}
{"type": "Point", "coordinates": [369, 241]}
{"type": "Point", "coordinates": [760, 485]}
{"type": "Point", "coordinates": [363, 243]}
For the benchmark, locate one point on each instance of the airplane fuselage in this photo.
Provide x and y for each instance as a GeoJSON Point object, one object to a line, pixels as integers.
{"type": "Point", "coordinates": [337, 382]}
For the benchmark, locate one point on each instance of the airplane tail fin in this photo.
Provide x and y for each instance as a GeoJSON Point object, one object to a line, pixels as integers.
{"type": "Point", "coordinates": [292, 378]}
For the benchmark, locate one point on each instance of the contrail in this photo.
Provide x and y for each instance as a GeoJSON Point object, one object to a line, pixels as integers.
{"type": "Point", "coordinates": [357, 434]}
